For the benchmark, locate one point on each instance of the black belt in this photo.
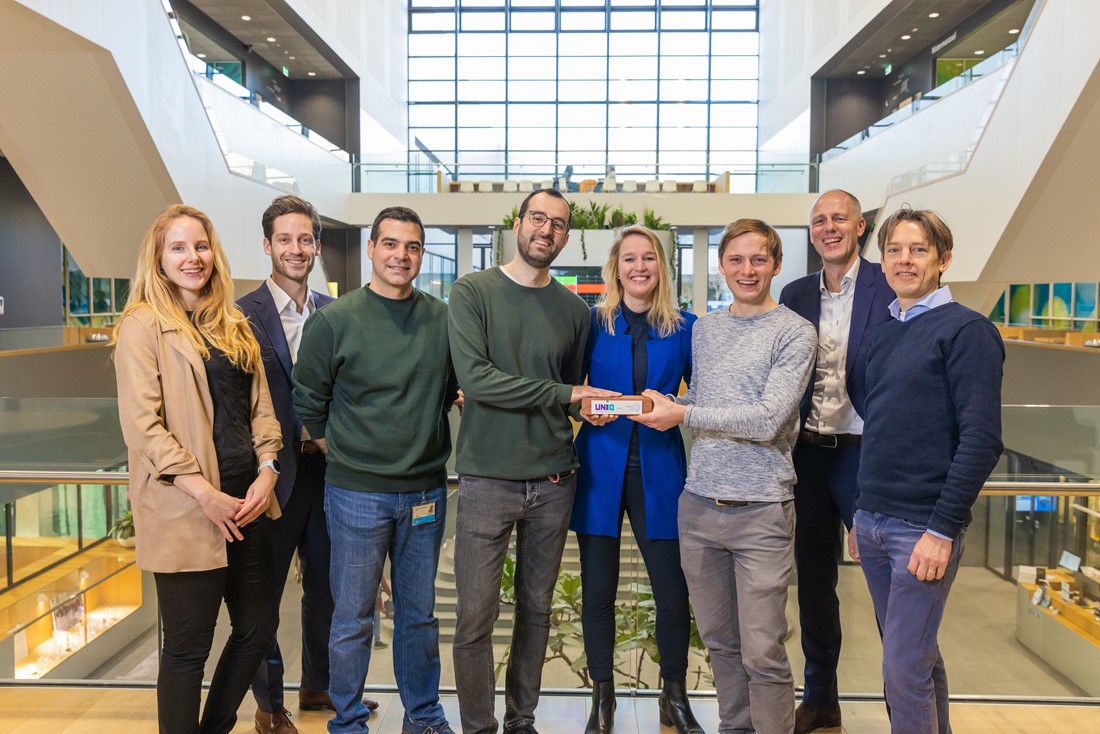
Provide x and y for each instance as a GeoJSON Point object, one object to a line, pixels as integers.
{"type": "Point", "coordinates": [829, 440]}
{"type": "Point", "coordinates": [744, 503]}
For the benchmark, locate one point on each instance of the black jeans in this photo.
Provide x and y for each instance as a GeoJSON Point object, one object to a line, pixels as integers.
{"type": "Point", "coordinates": [824, 500]}
{"type": "Point", "coordinates": [600, 582]}
{"type": "Point", "coordinates": [301, 528]}
{"type": "Point", "coordinates": [189, 603]}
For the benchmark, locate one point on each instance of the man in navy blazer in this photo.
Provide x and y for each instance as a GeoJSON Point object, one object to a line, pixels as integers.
{"type": "Point", "coordinates": [845, 301]}
{"type": "Point", "coordinates": [277, 311]}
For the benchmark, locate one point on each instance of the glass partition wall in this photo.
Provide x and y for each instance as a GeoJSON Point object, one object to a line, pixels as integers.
{"type": "Point", "coordinates": [83, 612]}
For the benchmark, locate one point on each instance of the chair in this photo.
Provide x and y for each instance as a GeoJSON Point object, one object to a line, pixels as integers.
{"type": "Point", "coordinates": [547, 184]}
{"type": "Point", "coordinates": [629, 187]}
{"type": "Point", "coordinates": [586, 185]}
{"type": "Point", "coordinates": [669, 187]}
{"type": "Point", "coordinates": [508, 187]}
{"type": "Point", "coordinates": [526, 187]}
{"type": "Point", "coordinates": [466, 187]}
{"type": "Point", "coordinates": [699, 187]}
{"type": "Point", "coordinates": [653, 187]}
{"type": "Point", "coordinates": [485, 187]}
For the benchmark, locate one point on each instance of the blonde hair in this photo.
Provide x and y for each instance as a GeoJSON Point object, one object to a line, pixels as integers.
{"type": "Point", "coordinates": [216, 319]}
{"type": "Point", "coordinates": [663, 314]}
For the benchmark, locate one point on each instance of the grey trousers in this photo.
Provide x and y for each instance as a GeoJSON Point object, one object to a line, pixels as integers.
{"type": "Point", "coordinates": [737, 561]}
{"type": "Point", "coordinates": [488, 509]}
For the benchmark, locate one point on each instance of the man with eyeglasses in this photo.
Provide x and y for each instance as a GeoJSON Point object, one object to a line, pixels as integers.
{"type": "Point", "coordinates": [517, 342]}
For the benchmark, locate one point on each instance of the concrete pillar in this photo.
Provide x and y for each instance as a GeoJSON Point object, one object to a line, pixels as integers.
{"type": "Point", "coordinates": [464, 252]}
{"type": "Point", "coordinates": [699, 252]}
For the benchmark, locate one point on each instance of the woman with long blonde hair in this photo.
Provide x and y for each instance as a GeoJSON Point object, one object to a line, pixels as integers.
{"type": "Point", "coordinates": [202, 438]}
{"type": "Point", "coordinates": [638, 340]}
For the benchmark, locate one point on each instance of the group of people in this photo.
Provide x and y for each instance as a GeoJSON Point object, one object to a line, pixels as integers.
{"type": "Point", "coordinates": [289, 423]}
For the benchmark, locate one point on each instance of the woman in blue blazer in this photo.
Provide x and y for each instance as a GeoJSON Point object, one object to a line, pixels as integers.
{"type": "Point", "coordinates": [638, 340]}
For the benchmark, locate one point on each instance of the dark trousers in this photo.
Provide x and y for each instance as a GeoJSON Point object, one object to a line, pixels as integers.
{"type": "Point", "coordinates": [301, 528]}
{"type": "Point", "coordinates": [600, 583]}
{"type": "Point", "coordinates": [189, 604]}
{"type": "Point", "coordinates": [823, 501]}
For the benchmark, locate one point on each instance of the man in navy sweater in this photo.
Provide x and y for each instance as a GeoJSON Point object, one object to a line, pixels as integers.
{"type": "Point", "coordinates": [931, 437]}
{"type": "Point", "coordinates": [845, 301]}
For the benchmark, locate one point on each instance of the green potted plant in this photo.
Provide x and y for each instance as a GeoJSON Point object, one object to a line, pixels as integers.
{"type": "Point", "coordinates": [618, 217]}
{"type": "Point", "coordinates": [123, 530]}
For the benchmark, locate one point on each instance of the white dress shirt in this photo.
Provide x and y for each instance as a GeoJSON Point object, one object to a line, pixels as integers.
{"type": "Point", "coordinates": [292, 320]}
{"type": "Point", "coordinates": [831, 410]}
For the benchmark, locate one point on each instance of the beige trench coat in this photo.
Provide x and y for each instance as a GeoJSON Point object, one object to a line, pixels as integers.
{"type": "Point", "coordinates": [167, 418]}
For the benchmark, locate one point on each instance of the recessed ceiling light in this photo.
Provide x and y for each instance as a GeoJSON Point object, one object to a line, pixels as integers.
{"type": "Point", "coordinates": [271, 39]}
{"type": "Point", "coordinates": [915, 30]}
{"type": "Point", "coordinates": [861, 72]}
{"type": "Point", "coordinates": [882, 56]}
{"type": "Point", "coordinates": [246, 17]}
{"type": "Point", "coordinates": [933, 15]}
{"type": "Point", "coordinates": [979, 52]}
{"type": "Point", "coordinates": [291, 58]}
{"type": "Point", "coordinates": [312, 73]}
{"type": "Point", "coordinates": [201, 56]}
{"type": "Point", "coordinates": [906, 37]}
{"type": "Point", "coordinates": [1013, 31]}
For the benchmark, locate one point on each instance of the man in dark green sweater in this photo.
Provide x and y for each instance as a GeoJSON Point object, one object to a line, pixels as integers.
{"type": "Point", "coordinates": [372, 385]}
{"type": "Point", "coordinates": [517, 340]}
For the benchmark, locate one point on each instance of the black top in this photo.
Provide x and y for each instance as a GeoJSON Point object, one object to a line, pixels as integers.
{"type": "Point", "coordinates": [231, 393]}
{"type": "Point", "coordinates": [637, 328]}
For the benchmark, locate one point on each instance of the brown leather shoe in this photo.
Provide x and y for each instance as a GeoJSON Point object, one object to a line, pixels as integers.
{"type": "Point", "coordinates": [311, 700]}
{"type": "Point", "coordinates": [277, 722]}
{"type": "Point", "coordinates": [808, 718]}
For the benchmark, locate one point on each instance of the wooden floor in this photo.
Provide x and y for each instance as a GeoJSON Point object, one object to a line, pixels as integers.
{"type": "Point", "coordinates": [56, 710]}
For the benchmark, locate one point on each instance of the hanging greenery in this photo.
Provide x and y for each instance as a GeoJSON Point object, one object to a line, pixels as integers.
{"type": "Point", "coordinates": [656, 223]}
{"type": "Point", "coordinates": [498, 237]}
{"type": "Point", "coordinates": [598, 216]}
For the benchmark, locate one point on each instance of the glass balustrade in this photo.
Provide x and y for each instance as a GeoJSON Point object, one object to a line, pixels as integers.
{"type": "Point", "coordinates": [1020, 623]}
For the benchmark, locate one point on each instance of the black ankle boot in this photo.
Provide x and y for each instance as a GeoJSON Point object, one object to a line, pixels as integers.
{"type": "Point", "coordinates": [675, 709]}
{"type": "Point", "coordinates": [602, 718]}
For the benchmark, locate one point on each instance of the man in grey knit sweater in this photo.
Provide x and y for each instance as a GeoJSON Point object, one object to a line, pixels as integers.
{"type": "Point", "coordinates": [751, 363]}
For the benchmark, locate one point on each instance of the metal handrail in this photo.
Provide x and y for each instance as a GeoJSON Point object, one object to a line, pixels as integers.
{"type": "Point", "coordinates": [990, 489]}
{"type": "Point", "coordinates": [64, 477]}
{"type": "Point", "coordinates": [86, 477]}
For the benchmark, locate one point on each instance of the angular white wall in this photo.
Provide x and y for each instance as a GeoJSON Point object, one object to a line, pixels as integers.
{"type": "Point", "coordinates": [103, 122]}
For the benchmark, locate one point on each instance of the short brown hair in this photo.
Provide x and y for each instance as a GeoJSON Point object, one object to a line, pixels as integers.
{"type": "Point", "coordinates": [935, 229]}
{"type": "Point", "coordinates": [290, 205]}
{"type": "Point", "coordinates": [750, 226]}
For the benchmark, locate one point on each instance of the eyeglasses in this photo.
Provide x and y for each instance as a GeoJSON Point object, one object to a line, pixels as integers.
{"type": "Point", "coordinates": [537, 219]}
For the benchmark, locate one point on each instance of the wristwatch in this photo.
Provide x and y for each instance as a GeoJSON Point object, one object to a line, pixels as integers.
{"type": "Point", "coordinates": [273, 464]}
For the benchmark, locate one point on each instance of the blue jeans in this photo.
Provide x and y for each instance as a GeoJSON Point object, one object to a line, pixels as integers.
{"type": "Point", "coordinates": [364, 527]}
{"type": "Point", "coordinates": [488, 509]}
{"type": "Point", "coordinates": [909, 613]}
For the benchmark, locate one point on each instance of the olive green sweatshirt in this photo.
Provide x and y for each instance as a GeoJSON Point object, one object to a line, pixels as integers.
{"type": "Point", "coordinates": [518, 352]}
{"type": "Point", "coordinates": [374, 379]}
